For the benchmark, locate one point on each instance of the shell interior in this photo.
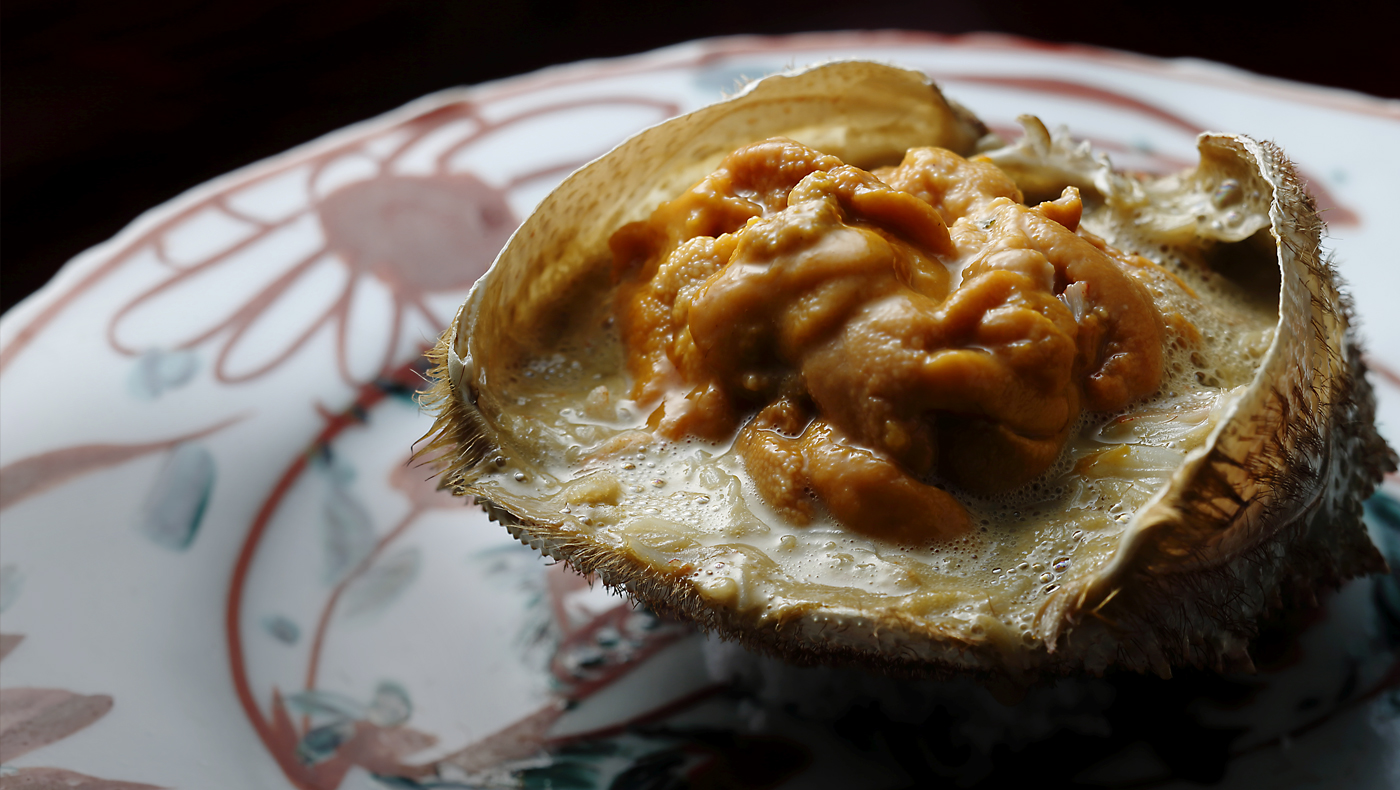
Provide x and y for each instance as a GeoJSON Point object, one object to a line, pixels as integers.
{"type": "Point", "coordinates": [1261, 506]}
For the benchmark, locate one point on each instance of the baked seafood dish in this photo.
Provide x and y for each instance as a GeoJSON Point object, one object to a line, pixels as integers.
{"type": "Point", "coordinates": [829, 370]}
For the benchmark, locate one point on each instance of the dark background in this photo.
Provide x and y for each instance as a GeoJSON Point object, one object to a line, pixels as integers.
{"type": "Point", "coordinates": [111, 107]}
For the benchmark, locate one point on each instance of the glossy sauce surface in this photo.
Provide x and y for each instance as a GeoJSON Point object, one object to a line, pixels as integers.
{"type": "Point", "coordinates": [707, 422]}
{"type": "Point", "coordinates": [877, 345]}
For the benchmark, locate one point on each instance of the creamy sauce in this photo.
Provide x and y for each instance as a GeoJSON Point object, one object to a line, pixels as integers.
{"type": "Point", "coordinates": [685, 503]}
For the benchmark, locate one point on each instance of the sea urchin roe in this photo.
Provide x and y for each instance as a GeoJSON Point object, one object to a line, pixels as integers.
{"type": "Point", "coordinates": [883, 330]}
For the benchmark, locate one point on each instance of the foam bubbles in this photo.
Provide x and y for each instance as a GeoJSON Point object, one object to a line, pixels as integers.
{"type": "Point", "coordinates": [1029, 543]}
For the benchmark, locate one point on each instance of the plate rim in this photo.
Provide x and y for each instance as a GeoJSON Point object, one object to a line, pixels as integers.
{"type": "Point", "coordinates": [38, 308]}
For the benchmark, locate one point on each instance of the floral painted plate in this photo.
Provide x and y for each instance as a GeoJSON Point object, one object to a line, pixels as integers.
{"type": "Point", "coordinates": [219, 571]}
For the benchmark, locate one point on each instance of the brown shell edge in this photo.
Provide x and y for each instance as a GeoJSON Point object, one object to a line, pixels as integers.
{"type": "Point", "coordinates": [1302, 531]}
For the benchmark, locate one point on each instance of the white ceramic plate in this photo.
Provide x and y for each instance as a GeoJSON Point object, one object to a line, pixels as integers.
{"type": "Point", "coordinates": [218, 572]}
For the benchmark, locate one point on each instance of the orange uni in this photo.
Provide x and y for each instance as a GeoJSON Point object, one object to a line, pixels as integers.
{"type": "Point", "coordinates": [883, 327]}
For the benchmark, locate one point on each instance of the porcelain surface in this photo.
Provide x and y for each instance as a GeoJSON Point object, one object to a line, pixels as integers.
{"type": "Point", "coordinates": [218, 569]}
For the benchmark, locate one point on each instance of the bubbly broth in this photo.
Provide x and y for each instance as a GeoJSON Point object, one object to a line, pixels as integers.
{"type": "Point", "coordinates": [686, 506]}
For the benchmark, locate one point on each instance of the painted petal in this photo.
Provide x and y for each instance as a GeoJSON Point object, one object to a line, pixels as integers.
{"type": "Point", "coordinates": [382, 583]}
{"type": "Point", "coordinates": [569, 136]}
{"type": "Point", "coordinates": [319, 702]}
{"type": "Point", "coordinates": [524, 738]}
{"type": "Point", "coordinates": [287, 321]}
{"type": "Point", "coordinates": [11, 583]}
{"type": "Point", "coordinates": [380, 750]}
{"type": "Point", "coordinates": [371, 326]}
{"type": "Point", "coordinates": [192, 305]}
{"type": "Point", "coordinates": [207, 233]}
{"type": "Point", "coordinates": [175, 507]}
{"type": "Point", "coordinates": [347, 535]}
{"type": "Point", "coordinates": [156, 372]}
{"type": "Point", "coordinates": [37, 473]}
{"type": "Point", "coordinates": [339, 471]}
{"type": "Point", "coordinates": [59, 779]}
{"type": "Point", "coordinates": [274, 198]}
{"type": "Point", "coordinates": [9, 642]}
{"type": "Point", "coordinates": [387, 143]}
{"type": "Point", "coordinates": [403, 741]}
{"type": "Point", "coordinates": [281, 628]}
{"type": "Point", "coordinates": [391, 706]}
{"type": "Point", "coordinates": [30, 718]}
{"type": "Point", "coordinates": [418, 235]}
{"type": "Point", "coordinates": [421, 158]}
{"type": "Point", "coordinates": [344, 170]}
{"type": "Point", "coordinates": [321, 743]}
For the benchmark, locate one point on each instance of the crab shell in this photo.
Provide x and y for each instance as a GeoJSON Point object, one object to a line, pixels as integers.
{"type": "Point", "coordinates": [1265, 513]}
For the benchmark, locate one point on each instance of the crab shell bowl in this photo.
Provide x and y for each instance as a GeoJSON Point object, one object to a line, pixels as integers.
{"type": "Point", "coordinates": [1159, 537]}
